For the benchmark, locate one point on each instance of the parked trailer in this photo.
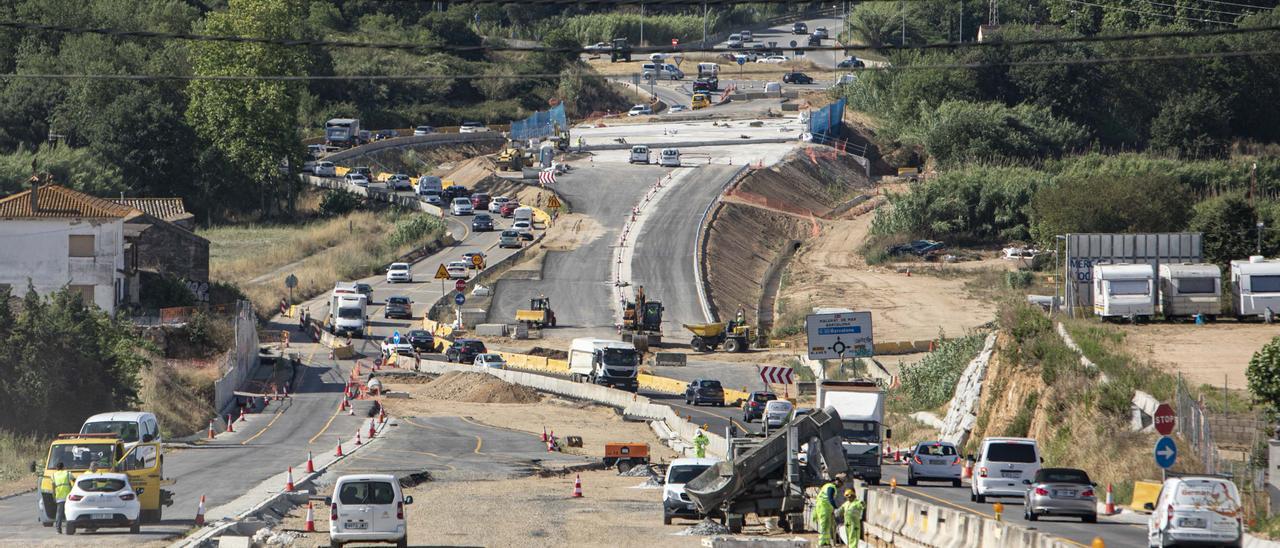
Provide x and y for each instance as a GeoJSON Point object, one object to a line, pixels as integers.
{"type": "Point", "coordinates": [1187, 290]}
{"type": "Point", "coordinates": [1256, 285]}
{"type": "Point", "coordinates": [1124, 291]}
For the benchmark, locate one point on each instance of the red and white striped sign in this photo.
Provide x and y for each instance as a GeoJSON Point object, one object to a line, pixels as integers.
{"type": "Point", "coordinates": [776, 375]}
{"type": "Point", "coordinates": [547, 176]}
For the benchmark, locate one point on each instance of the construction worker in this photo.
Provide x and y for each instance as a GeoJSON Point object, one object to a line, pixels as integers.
{"type": "Point", "coordinates": [700, 442]}
{"type": "Point", "coordinates": [825, 509]}
{"type": "Point", "coordinates": [62, 480]}
{"type": "Point", "coordinates": [852, 511]}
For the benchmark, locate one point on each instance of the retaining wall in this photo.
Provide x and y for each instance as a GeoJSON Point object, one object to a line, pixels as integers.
{"type": "Point", "coordinates": [242, 359]}
{"type": "Point", "coordinates": [962, 412]}
{"type": "Point", "coordinates": [410, 202]}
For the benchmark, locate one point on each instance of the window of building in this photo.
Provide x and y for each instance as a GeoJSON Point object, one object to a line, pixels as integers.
{"type": "Point", "coordinates": [81, 245]}
{"type": "Point", "coordinates": [86, 292]}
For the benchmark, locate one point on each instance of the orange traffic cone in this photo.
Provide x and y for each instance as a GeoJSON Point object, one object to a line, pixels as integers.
{"type": "Point", "coordinates": [372, 432]}
{"type": "Point", "coordinates": [338, 453]}
{"type": "Point", "coordinates": [200, 512]}
{"type": "Point", "coordinates": [288, 485]}
{"type": "Point", "coordinates": [311, 520]}
{"type": "Point", "coordinates": [241, 414]}
{"type": "Point", "coordinates": [230, 424]}
{"type": "Point", "coordinates": [351, 409]}
{"type": "Point", "coordinates": [544, 433]}
{"type": "Point", "coordinates": [1111, 505]}
{"type": "Point", "coordinates": [358, 438]}
{"type": "Point", "coordinates": [382, 414]}
{"type": "Point", "coordinates": [311, 466]}
{"type": "Point", "coordinates": [210, 428]}
{"type": "Point", "coordinates": [577, 486]}
{"type": "Point", "coordinates": [966, 470]}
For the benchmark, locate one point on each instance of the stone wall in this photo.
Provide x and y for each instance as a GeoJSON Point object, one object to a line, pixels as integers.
{"type": "Point", "coordinates": [167, 248]}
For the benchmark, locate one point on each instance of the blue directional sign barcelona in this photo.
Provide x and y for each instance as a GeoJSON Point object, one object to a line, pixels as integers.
{"type": "Point", "coordinates": [1166, 452]}
{"type": "Point", "coordinates": [459, 299]}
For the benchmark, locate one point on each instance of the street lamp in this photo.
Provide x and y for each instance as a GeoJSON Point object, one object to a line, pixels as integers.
{"type": "Point", "coordinates": [1260, 226]}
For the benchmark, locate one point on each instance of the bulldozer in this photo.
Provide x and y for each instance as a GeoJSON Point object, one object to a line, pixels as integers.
{"type": "Point", "coordinates": [511, 158]}
{"type": "Point", "coordinates": [539, 313]}
{"type": "Point", "coordinates": [642, 322]}
{"type": "Point", "coordinates": [735, 335]}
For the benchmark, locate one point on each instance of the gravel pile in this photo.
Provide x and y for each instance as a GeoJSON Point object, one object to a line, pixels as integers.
{"type": "Point", "coordinates": [705, 528]}
{"type": "Point", "coordinates": [639, 471]}
{"type": "Point", "coordinates": [478, 388]}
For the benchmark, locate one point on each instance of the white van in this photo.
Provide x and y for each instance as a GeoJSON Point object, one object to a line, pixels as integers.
{"type": "Point", "coordinates": [772, 87]}
{"type": "Point", "coordinates": [639, 155]}
{"type": "Point", "coordinates": [1190, 289]}
{"type": "Point", "coordinates": [326, 169]}
{"type": "Point", "coordinates": [1004, 468]}
{"type": "Point", "coordinates": [670, 157]}
{"type": "Point", "coordinates": [367, 507]}
{"type": "Point", "coordinates": [1256, 287]}
{"type": "Point", "coordinates": [675, 502]}
{"type": "Point", "coordinates": [522, 213]}
{"type": "Point", "coordinates": [131, 427]}
{"type": "Point", "coordinates": [429, 184]}
{"type": "Point", "coordinates": [1200, 510]}
{"type": "Point", "coordinates": [1124, 291]}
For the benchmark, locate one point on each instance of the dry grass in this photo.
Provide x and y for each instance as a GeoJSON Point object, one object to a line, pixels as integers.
{"type": "Point", "coordinates": [16, 453]}
{"type": "Point", "coordinates": [179, 396]}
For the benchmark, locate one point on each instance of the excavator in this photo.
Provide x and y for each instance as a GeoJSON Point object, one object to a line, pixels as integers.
{"type": "Point", "coordinates": [642, 322]}
{"type": "Point", "coordinates": [539, 313]}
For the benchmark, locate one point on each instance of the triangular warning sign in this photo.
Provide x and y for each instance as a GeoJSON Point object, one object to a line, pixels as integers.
{"type": "Point", "coordinates": [441, 273]}
{"type": "Point", "coordinates": [554, 202]}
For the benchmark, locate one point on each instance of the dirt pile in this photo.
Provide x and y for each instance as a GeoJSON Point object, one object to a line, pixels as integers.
{"type": "Point", "coordinates": [548, 353]}
{"type": "Point", "coordinates": [478, 388]}
{"type": "Point", "coordinates": [470, 172]}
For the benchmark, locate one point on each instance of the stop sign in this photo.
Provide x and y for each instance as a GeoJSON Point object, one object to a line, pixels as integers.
{"type": "Point", "coordinates": [1165, 419]}
{"type": "Point", "coordinates": [675, 42]}
{"type": "Point", "coordinates": [460, 285]}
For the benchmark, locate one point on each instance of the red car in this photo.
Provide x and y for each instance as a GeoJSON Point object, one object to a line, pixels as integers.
{"type": "Point", "coordinates": [480, 201]}
{"type": "Point", "coordinates": [509, 208]}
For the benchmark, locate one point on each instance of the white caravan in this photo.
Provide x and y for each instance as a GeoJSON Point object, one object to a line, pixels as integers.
{"type": "Point", "coordinates": [1124, 291]}
{"type": "Point", "coordinates": [1190, 289]}
{"type": "Point", "coordinates": [1256, 286]}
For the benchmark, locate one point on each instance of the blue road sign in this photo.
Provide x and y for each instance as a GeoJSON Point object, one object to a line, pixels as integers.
{"type": "Point", "coordinates": [459, 299]}
{"type": "Point", "coordinates": [742, 60]}
{"type": "Point", "coordinates": [395, 337]}
{"type": "Point", "coordinates": [1166, 452]}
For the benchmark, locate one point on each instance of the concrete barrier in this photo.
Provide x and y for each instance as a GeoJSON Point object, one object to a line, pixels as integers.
{"type": "Point", "coordinates": [896, 520]}
{"type": "Point", "coordinates": [488, 137]}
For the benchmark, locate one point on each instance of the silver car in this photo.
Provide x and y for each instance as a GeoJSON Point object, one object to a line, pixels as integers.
{"type": "Point", "coordinates": [1061, 492]}
{"type": "Point", "coordinates": [934, 461]}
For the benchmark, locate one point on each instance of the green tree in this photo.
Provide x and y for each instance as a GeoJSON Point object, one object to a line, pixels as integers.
{"type": "Point", "coordinates": [252, 122]}
{"type": "Point", "coordinates": [875, 24]}
{"type": "Point", "coordinates": [960, 131]}
{"type": "Point", "coordinates": [1263, 374]}
{"type": "Point", "coordinates": [1110, 204]}
{"type": "Point", "coordinates": [1193, 126]}
{"type": "Point", "coordinates": [1227, 224]}
{"type": "Point", "coordinates": [338, 202]}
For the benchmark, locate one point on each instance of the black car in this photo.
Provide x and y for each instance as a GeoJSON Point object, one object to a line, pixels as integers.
{"type": "Point", "coordinates": [704, 391]}
{"type": "Point", "coordinates": [852, 62]}
{"type": "Point", "coordinates": [701, 85]}
{"type": "Point", "coordinates": [754, 408]}
{"type": "Point", "coordinates": [799, 28]}
{"type": "Point", "coordinates": [482, 223]}
{"type": "Point", "coordinates": [454, 191]}
{"type": "Point", "coordinates": [362, 170]}
{"type": "Point", "coordinates": [815, 40]}
{"type": "Point", "coordinates": [398, 307]}
{"type": "Point", "coordinates": [422, 340]}
{"type": "Point", "coordinates": [465, 350]}
{"type": "Point", "coordinates": [365, 289]}
{"type": "Point", "coordinates": [797, 78]}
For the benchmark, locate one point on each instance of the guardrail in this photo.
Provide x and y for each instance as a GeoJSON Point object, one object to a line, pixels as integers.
{"type": "Point", "coordinates": [388, 196]}
{"type": "Point", "coordinates": [433, 139]}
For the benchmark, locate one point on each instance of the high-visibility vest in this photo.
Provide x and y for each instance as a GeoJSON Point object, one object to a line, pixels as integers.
{"type": "Point", "coordinates": [823, 505]}
{"type": "Point", "coordinates": [61, 485]}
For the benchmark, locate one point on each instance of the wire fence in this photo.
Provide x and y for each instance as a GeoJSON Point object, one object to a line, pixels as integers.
{"type": "Point", "coordinates": [1193, 425]}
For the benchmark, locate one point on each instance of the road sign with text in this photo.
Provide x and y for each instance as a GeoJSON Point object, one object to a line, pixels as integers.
{"type": "Point", "coordinates": [1165, 419]}
{"type": "Point", "coordinates": [839, 335]}
{"type": "Point", "coordinates": [460, 285]}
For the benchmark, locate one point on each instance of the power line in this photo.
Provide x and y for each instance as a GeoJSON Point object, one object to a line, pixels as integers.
{"type": "Point", "coordinates": [1157, 14]}
{"type": "Point", "coordinates": [1256, 7]}
{"type": "Point", "coordinates": [1231, 13]}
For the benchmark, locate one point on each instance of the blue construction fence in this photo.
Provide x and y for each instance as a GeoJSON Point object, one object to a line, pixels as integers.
{"type": "Point", "coordinates": [541, 124]}
{"type": "Point", "coordinates": [824, 123]}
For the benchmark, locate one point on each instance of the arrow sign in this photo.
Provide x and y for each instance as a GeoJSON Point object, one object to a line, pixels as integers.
{"type": "Point", "coordinates": [1165, 419]}
{"type": "Point", "coordinates": [459, 299]}
{"type": "Point", "coordinates": [395, 337]}
{"type": "Point", "coordinates": [1166, 452]}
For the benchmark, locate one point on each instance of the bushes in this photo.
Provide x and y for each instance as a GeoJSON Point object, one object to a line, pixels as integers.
{"type": "Point", "coordinates": [931, 382]}
{"type": "Point", "coordinates": [1110, 204]}
{"type": "Point", "coordinates": [338, 202]}
{"type": "Point", "coordinates": [960, 131]}
{"type": "Point", "coordinates": [979, 202]}
{"type": "Point", "coordinates": [415, 229]}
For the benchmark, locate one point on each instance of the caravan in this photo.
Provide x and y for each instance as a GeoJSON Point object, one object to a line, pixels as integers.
{"type": "Point", "coordinates": [1190, 290]}
{"type": "Point", "coordinates": [1124, 291]}
{"type": "Point", "coordinates": [1255, 284]}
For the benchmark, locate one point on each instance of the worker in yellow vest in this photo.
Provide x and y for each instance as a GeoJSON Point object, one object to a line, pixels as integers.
{"type": "Point", "coordinates": [852, 510]}
{"type": "Point", "coordinates": [700, 442]}
{"type": "Point", "coordinates": [61, 488]}
{"type": "Point", "coordinates": [825, 508]}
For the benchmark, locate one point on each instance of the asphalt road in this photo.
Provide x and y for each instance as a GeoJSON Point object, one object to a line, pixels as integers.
{"type": "Point", "coordinates": [665, 251]}
{"type": "Point", "coordinates": [1112, 531]}
{"type": "Point", "coordinates": [579, 281]}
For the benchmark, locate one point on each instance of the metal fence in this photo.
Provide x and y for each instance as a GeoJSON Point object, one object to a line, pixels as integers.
{"type": "Point", "coordinates": [1193, 426]}
{"type": "Point", "coordinates": [540, 124]}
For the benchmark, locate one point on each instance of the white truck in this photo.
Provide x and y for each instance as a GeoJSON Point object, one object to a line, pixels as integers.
{"type": "Point", "coordinates": [860, 404]}
{"type": "Point", "coordinates": [604, 362]}
{"type": "Point", "coordinates": [347, 312]}
{"type": "Point", "coordinates": [343, 132]}
{"type": "Point", "coordinates": [1255, 285]}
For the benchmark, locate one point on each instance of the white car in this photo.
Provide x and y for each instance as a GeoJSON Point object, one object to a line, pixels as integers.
{"type": "Point", "coordinates": [675, 502]}
{"type": "Point", "coordinates": [130, 427]}
{"type": "Point", "coordinates": [773, 59]}
{"type": "Point", "coordinates": [524, 228]}
{"type": "Point", "coordinates": [493, 361]}
{"type": "Point", "coordinates": [934, 461]}
{"type": "Point", "coordinates": [509, 238]}
{"type": "Point", "coordinates": [1002, 466]}
{"type": "Point", "coordinates": [677, 108]}
{"type": "Point", "coordinates": [639, 155]}
{"type": "Point", "coordinates": [457, 270]}
{"type": "Point", "coordinates": [640, 110]}
{"type": "Point", "coordinates": [404, 348]}
{"type": "Point", "coordinates": [102, 500]}
{"type": "Point", "coordinates": [399, 181]}
{"type": "Point", "coordinates": [326, 169]}
{"type": "Point", "coordinates": [358, 179]}
{"type": "Point", "coordinates": [599, 47]}
{"type": "Point", "coordinates": [423, 130]}
{"type": "Point", "coordinates": [472, 127]}
{"type": "Point", "coordinates": [669, 157]}
{"type": "Point", "coordinates": [1199, 510]}
{"type": "Point", "coordinates": [368, 508]}
{"type": "Point", "coordinates": [776, 413]}
{"type": "Point", "coordinates": [399, 272]}
{"type": "Point", "coordinates": [495, 205]}
{"type": "Point", "coordinates": [461, 206]}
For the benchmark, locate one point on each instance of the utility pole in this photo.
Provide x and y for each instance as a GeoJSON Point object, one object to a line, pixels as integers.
{"type": "Point", "coordinates": [655, 76]}
{"type": "Point", "coordinates": [704, 24]}
{"type": "Point", "coordinates": [962, 21]}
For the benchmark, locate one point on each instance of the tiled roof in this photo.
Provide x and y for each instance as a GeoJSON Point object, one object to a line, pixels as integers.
{"type": "Point", "coordinates": [56, 202]}
{"type": "Point", "coordinates": [169, 209]}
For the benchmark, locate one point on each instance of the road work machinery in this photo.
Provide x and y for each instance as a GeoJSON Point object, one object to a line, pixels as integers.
{"type": "Point", "coordinates": [642, 322]}
{"type": "Point", "coordinates": [736, 335]}
{"type": "Point", "coordinates": [621, 51]}
{"type": "Point", "coordinates": [539, 313]}
{"type": "Point", "coordinates": [511, 159]}
{"type": "Point", "coordinates": [767, 477]}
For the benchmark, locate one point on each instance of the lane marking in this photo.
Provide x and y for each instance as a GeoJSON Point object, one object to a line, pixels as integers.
{"type": "Point", "coordinates": [279, 413]}
{"type": "Point", "coordinates": [337, 411]}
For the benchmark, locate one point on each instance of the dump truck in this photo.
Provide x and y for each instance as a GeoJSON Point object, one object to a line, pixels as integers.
{"type": "Point", "coordinates": [539, 313]}
{"type": "Point", "coordinates": [735, 335]}
{"type": "Point", "coordinates": [861, 406]}
{"type": "Point", "coordinates": [604, 362]}
{"type": "Point", "coordinates": [766, 477]}
{"type": "Point", "coordinates": [81, 453]}
{"type": "Point", "coordinates": [642, 322]}
{"type": "Point", "coordinates": [620, 51]}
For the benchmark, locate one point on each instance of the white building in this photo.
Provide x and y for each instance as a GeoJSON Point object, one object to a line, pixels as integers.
{"type": "Point", "coordinates": [57, 237]}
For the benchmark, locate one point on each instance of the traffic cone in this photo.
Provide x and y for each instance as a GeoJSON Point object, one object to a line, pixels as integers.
{"type": "Point", "coordinates": [200, 512]}
{"type": "Point", "coordinates": [351, 409]}
{"type": "Point", "coordinates": [382, 414]}
{"type": "Point", "coordinates": [311, 520]}
{"type": "Point", "coordinates": [893, 485]}
{"type": "Point", "coordinates": [288, 485]}
{"type": "Point", "coordinates": [241, 415]}
{"type": "Point", "coordinates": [358, 438]}
{"type": "Point", "coordinates": [577, 486]}
{"type": "Point", "coordinates": [230, 424]}
{"type": "Point", "coordinates": [338, 453]}
{"type": "Point", "coordinates": [311, 466]}
{"type": "Point", "coordinates": [544, 434]}
{"type": "Point", "coordinates": [372, 432]}
{"type": "Point", "coordinates": [210, 428]}
{"type": "Point", "coordinates": [966, 470]}
{"type": "Point", "coordinates": [1111, 505]}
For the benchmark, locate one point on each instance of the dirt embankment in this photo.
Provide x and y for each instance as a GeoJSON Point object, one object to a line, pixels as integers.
{"type": "Point", "coordinates": [478, 388]}
{"type": "Point", "coordinates": [761, 220]}
{"type": "Point", "coordinates": [479, 174]}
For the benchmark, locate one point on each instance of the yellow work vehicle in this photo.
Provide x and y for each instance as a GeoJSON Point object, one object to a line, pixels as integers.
{"type": "Point", "coordinates": [736, 337]}
{"type": "Point", "coordinates": [511, 159]}
{"type": "Point", "coordinates": [81, 453]}
{"type": "Point", "coordinates": [700, 100]}
{"type": "Point", "coordinates": [539, 313]}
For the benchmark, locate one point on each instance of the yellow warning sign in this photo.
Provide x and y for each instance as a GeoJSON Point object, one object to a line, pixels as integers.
{"type": "Point", "coordinates": [441, 273]}
{"type": "Point", "coordinates": [477, 260]}
{"type": "Point", "coordinates": [554, 202]}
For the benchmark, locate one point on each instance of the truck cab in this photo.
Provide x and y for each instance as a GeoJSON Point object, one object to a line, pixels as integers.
{"type": "Point", "coordinates": [860, 404]}
{"type": "Point", "coordinates": [81, 453]}
{"type": "Point", "coordinates": [604, 362]}
{"type": "Point", "coordinates": [347, 314]}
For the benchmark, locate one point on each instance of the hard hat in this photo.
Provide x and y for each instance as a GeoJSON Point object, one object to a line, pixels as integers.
{"type": "Point", "coordinates": [848, 493]}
